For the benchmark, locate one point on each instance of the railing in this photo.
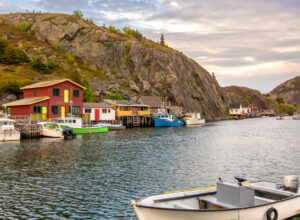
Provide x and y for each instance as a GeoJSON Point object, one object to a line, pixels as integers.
{"type": "Point", "coordinates": [38, 117]}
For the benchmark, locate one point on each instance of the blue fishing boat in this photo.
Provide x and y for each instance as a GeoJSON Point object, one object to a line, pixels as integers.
{"type": "Point", "coordinates": [167, 120]}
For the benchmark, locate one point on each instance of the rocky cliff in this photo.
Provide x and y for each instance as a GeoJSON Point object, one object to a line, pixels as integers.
{"type": "Point", "coordinates": [245, 96]}
{"type": "Point", "coordinates": [289, 91]}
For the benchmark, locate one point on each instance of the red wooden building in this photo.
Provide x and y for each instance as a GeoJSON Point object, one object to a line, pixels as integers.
{"type": "Point", "coordinates": [49, 99]}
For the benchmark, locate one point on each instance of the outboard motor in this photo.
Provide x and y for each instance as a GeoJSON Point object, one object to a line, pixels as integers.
{"type": "Point", "coordinates": [290, 183]}
{"type": "Point", "coordinates": [68, 133]}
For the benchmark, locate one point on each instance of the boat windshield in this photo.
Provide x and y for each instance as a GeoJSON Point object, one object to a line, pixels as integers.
{"type": "Point", "coordinates": [51, 126]}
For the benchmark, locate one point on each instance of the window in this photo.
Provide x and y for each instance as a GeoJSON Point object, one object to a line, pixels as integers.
{"type": "Point", "coordinates": [34, 92]}
{"type": "Point", "coordinates": [143, 108]}
{"type": "Point", "coordinates": [56, 92]}
{"type": "Point", "coordinates": [104, 111]}
{"type": "Point", "coordinates": [37, 109]}
{"type": "Point", "coordinates": [87, 111]}
{"type": "Point", "coordinates": [124, 108]}
{"type": "Point", "coordinates": [54, 110]}
{"type": "Point", "coordinates": [75, 93]}
{"type": "Point", "coordinates": [108, 110]}
{"type": "Point", "coordinates": [76, 110]}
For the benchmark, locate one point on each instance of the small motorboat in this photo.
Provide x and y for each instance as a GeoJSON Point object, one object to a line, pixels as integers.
{"type": "Point", "coordinates": [111, 127]}
{"type": "Point", "coordinates": [193, 119]}
{"type": "Point", "coordinates": [227, 201]}
{"type": "Point", "coordinates": [50, 129]}
{"type": "Point", "coordinates": [8, 131]}
{"type": "Point", "coordinates": [167, 120]}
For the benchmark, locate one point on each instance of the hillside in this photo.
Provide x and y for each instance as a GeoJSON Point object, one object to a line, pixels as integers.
{"type": "Point", "coordinates": [112, 63]}
{"type": "Point", "coordinates": [244, 95]}
{"type": "Point", "coordinates": [289, 91]}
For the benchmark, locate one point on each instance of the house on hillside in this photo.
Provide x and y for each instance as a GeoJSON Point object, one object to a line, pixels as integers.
{"type": "Point", "coordinates": [101, 111]}
{"type": "Point", "coordinates": [155, 103]}
{"type": "Point", "coordinates": [48, 99]}
{"type": "Point", "coordinates": [238, 111]}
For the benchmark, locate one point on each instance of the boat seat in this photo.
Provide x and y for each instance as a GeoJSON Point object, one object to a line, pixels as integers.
{"type": "Point", "coordinates": [211, 202]}
{"type": "Point", "coordinates": [261, 200]}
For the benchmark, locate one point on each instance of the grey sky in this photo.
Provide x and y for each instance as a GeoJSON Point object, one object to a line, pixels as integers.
{"type": "Point", "coordinates": [249, 43]}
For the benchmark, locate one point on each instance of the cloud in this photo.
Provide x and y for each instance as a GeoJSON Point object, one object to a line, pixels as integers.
{"type": "Point", "coordinates": [236, 39]}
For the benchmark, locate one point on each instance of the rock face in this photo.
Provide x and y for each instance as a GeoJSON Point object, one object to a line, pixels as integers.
{"type": "Point", "coordinates": [135, 66]}
{"type": "Point", "coordinates": [245, 96]}
{"type": "Point", "coordinates": [289, 91]}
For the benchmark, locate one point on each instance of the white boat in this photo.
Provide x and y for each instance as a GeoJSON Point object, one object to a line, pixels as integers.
{"type": "Point", "coordinates": [226, 201]}
{"type": "Point", "coordinates": [296, 116]}
{"type": "Point", "coordinates": [193, 119]}
{"type": "Point", "coordinates": [111, 127]}
{"type": "Point", "coordinates": [8, 131]}
{"type": "Point", "coordinates": [280, 117]}
{"type": "Point", "coordinates": [50, 129]}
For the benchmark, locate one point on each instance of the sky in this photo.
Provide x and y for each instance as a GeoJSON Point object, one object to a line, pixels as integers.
{"type": "Point", "coordinates": [252, 43]}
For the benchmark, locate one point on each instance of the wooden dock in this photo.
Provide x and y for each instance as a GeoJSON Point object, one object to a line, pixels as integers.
{"type": "Point", "coordinates": [28, 130]}
{"type": "Point", "coordinates": [136, 121]}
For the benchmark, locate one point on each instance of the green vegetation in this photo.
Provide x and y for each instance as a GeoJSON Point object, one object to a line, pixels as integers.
{"type": "Point", "coordinates": [131, 32]}
{"type": "Point", "coordinates": [77, 13]}
{"type": "Point", "coordinates": [113, 96]}
{"type": "Point", "coordinates": [39, 66]}
{"type": "Point", "coordinates": [12, 88]}
{"type": "Point", "coordinates": [126, 59]}
{"type": "Point", "coordinates": [128, 47]}
{"type": "Point", "coordinates": [203, 113]}
{"type": "Point", "coordinates": [280, 107]}
{"type": "Point", "coordinates": [70, 58]}
{"type": "Point", "coordinates": [135, 77]}
{"type": "Point", "coordinates": [196, 74]}
{"type": "Point", "coordinates": [162, 39]}
{"type": "Point", "coordinates": [52, 66]}
{"type": "Point", "coordinates": [249, 100]}
{"type": "Point", "coordinates": [56, 45]}
{"type": "Point", "coordinates": [114, 29]}
{"type": "Point", "coordinates": [23, 26]}
{"type": "Point", "coordinates": [10, 55]}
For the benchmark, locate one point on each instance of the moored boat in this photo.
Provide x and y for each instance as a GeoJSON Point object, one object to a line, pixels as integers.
{"type": "Point", "coordinates": [296, 116]}
{"type": "Point", "coordinates": [167, 120]}
{"type": "Point", "coordinates": [8, 131]}
{"type": "Point", "coordinates": [227, 201]}
{"type": "Point", "coordinates": [50, 129]}
{"type": "Point", "coordinates": [111, 127]}
{"type": "Point", "coordinates": [280, 117]}
{"type": "Point", "coordinates": [77, 126]}
{"type": "Point", "coordinates": [193, 119]}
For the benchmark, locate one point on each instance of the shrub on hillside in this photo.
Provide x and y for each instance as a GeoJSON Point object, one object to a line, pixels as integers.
{"type": "Point", "coordinates": [12, 88]}
{"type": "Point", "coordinates": [78, 13]}
{"type": "Point", "coordinates": [10, 55]}
{"type": "Point", "coordinates": [131, 32]}
{"type": "Point", "coordinates": [70, 58]}
{"type": "Point", "coordinates": [39, 66]}
{"type": "Point", "coordinates": [23, 26]}
{"type": "Point", "coordinates": [113, 96]}
{"type": "Point", "coordinates": [114, 30]}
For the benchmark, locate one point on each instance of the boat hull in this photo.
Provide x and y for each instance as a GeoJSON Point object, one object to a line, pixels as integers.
{"type": "Point", "coordinates": [285, 208]}
{"type": "Point", "coordinates": [52, 134]}
{"type": "Point", "coordinates": [10, 136]}
{"type": "Point", "coordinates": [194, 121]}
{"type": "Point", "coordinates": [90, 130]}
{"type": "Point", "coordinates": [158, 122]}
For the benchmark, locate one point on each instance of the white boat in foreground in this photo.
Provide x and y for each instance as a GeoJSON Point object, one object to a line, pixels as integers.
{"type": "Point", "coordinates": [50, 129]}
{"type": "Point", "coordinates": [226, 201]}
{"type": "Point", "coordinates": [8, 131]}
{"type": "Point", "coordinates": [193, 119]}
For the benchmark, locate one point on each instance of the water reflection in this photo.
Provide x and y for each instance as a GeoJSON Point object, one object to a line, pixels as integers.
{"type": "Point", "coordinates": [95, 176]}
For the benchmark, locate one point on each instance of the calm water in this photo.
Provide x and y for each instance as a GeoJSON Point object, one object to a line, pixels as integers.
{"type": "Point", "coordinates": [95, 176]}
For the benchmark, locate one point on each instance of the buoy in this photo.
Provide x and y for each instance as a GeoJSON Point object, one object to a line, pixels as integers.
{"type": "Point", "coordinates": [90, 132]}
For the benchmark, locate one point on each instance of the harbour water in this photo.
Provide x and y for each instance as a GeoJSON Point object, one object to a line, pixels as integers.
{"type": "Point", "coordinates": [95, 176]}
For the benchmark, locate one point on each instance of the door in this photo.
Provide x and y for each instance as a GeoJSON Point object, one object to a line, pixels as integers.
{"type": "Point", "coordinates": [63, 111]}
{"type": "Point", "coordinates": [44, 113]}
{"type": "Point", "coordinates": [66, 95]}
{"type": "Point", "coordinates": [134, 111]}
{"type": "Point", "coordinates": [97, 115]}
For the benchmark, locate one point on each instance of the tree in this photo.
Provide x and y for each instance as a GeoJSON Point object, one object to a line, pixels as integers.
{"type": "Point", "coordinates": [78, 13]}
{"type": "Point", "coordinates": [162, 39]}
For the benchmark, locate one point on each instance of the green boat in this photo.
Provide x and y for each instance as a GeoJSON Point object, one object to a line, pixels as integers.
{"type": "Point", "coordinates": [76, 125]}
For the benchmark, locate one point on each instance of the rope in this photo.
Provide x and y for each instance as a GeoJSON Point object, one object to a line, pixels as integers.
{"type": "Point", "coordinates": [132, 215]}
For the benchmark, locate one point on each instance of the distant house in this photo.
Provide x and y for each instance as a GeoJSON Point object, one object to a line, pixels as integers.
{"type": "Point", "coordinates": [155, 102]}
{"type": "Point", "coordinates": [48, 99]}
{"type": "Point", "coordinates": [129, 108]}
{"type": "Point", "coordinates": [236, 110]}
{"type": "Point", "coordinates": [101, 111]}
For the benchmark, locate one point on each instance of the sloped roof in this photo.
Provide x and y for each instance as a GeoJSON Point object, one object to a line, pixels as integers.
{"type": "Point", "coordinates": [124, 103]}
{"type": "Point", "coordinates": [96, 105]}
{"type": "Point", "coordinates": [153, 101]}
{"type": "Point", "coordinates": [49, 83]}
{"type": "Point", "coordinates": [28, 101]}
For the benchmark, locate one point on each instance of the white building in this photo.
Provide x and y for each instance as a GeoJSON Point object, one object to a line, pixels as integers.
{"type": "Point", "coordinates": [101, 111]}
{"type": "Point", "coordinates": [237, 110]}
